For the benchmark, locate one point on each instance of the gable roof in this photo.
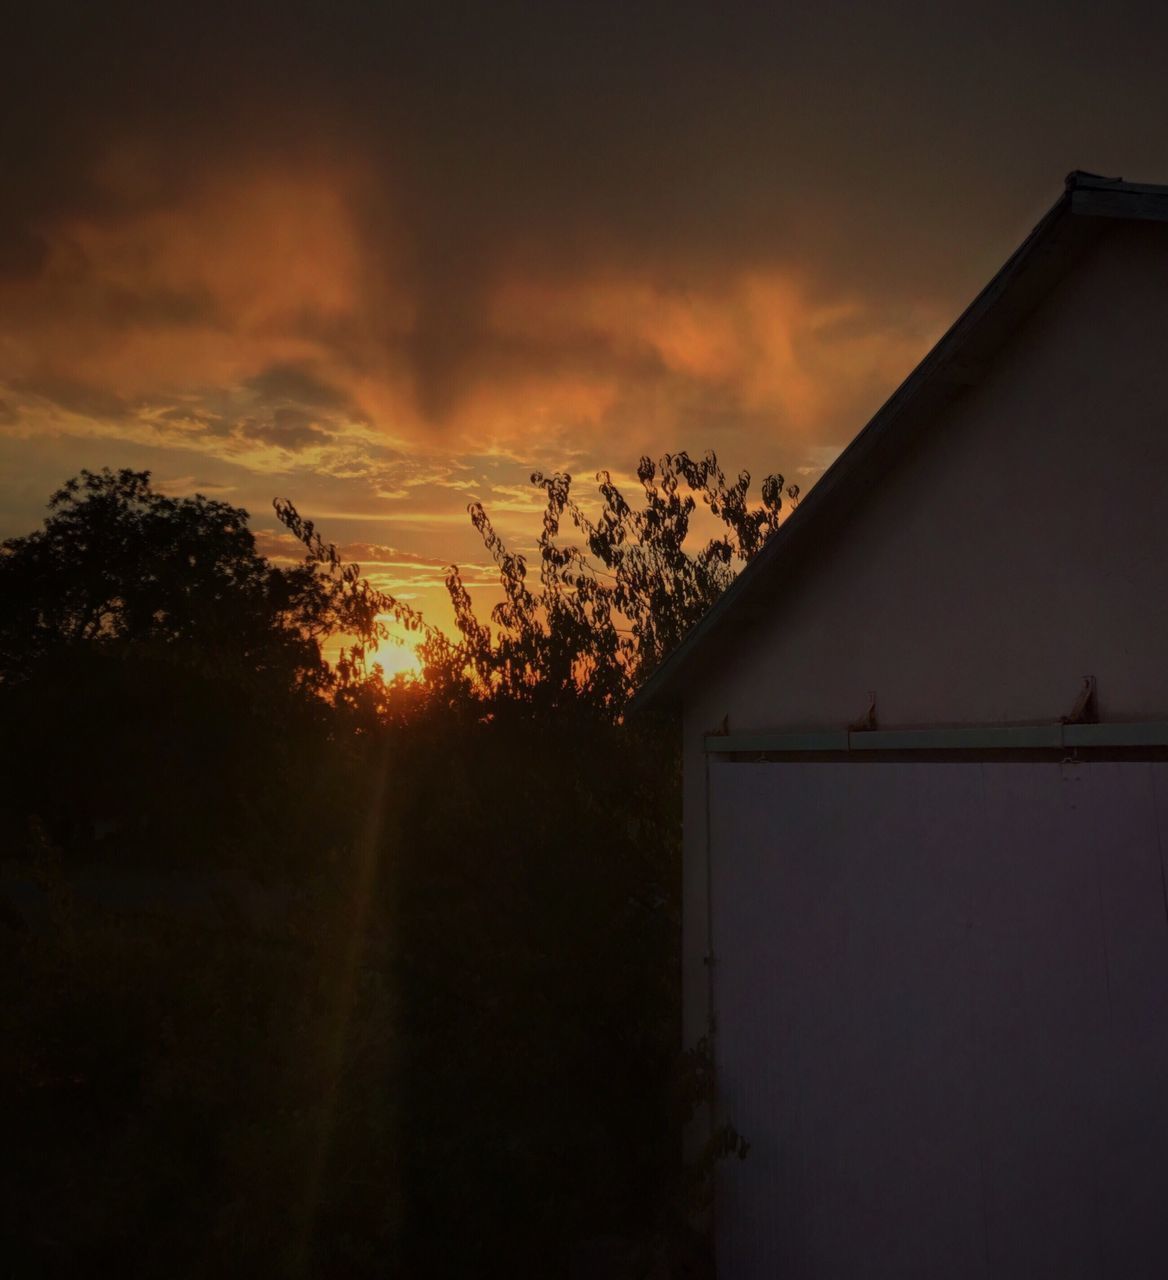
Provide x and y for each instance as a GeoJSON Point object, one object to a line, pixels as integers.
{"type": "Point", "coordinates": [1075, 221]}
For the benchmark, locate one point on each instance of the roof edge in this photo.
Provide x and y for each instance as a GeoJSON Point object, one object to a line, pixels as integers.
{"type": "Point", "coordinates": [1081, 180]}
{"type": "Point", "coordinates": [1086, 196]}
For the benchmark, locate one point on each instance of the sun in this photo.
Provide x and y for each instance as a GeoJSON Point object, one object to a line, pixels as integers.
{"type": "Point", "coordinates": [396, 659]}
{"type": "Point", "coordinates": [396, 654]}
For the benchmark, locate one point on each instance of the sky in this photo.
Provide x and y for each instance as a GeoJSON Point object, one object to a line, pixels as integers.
{"type": "Point", "coordinates": [387, 259]}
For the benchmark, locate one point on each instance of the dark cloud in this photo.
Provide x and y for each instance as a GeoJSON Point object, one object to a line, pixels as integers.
{"type": "Point", "coordinates": [22, 251]}
{"type": "Point", "coordinates": [881, 158]}
{"type": "Point", "coordinates": [287, 428]}
{"type": "Point", "coordinates": [687, 136]}
{"type": "Point", "coordinates": [135, 308]}
{"type": "Point", "coordinates": [295, 408]}
{"type": "Point", "coordinates": [297, 383]}
{"type": "Point", "coordinates": [88, 399]}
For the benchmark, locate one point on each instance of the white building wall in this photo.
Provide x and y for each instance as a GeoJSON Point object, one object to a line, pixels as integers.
{"type": "Point", "coordinates": [942, 1001]}
{"type": "Point", "coordinates": [1022, 545]}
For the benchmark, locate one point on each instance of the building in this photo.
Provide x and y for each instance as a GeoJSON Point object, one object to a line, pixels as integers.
{"type": "Point", "coordinates": [926, 801]}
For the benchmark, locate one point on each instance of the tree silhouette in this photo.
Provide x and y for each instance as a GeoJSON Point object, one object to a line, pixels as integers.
{"type": "Point", "coordinates": [602, 612]}
{"type": "Point", "coordinates": [537, 873]}
{"type": "Point", "coordinates": [170, 676]}
{"type": "Point", "coordinates": [481, 874]}
{"type": "Point", "coordinates": [120, 565]}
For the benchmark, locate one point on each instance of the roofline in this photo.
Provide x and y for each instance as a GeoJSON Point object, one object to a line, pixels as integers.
{"type": "Point", "coordinates": [1026, 277]}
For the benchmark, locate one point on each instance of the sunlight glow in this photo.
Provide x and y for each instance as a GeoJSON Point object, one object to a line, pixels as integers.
{"type": "Point", "coordinates": [397, 658]}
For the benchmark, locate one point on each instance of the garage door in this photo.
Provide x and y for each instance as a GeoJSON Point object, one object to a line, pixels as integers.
{"type": "Point", "coordinates": [941, 999]}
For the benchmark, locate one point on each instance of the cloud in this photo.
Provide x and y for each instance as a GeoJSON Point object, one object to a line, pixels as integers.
{"type": "Point", "coordinates": [382, 554]}
{"type": "Point", "coordinates": [88, 399]}
{"type": "Point", "coordinates": [182, 485]}
{"type": "Point", "coordinates": [296, 382]}
{"type": "Point", "coordinates": [390, 259]}
{"type": "Point", "coordinates": [639, 228]}
{"type": "Point", "coordinates": [286, 427]}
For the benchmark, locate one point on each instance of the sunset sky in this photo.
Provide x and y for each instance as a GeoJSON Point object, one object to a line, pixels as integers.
{"type": "Point", "coordinates": [383, 259]}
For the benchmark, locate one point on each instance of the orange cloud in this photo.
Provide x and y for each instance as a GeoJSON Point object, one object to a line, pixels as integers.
{"type": "Point", "coordinates": [760, 338]}
{"type": "Point", "coordinates": [268, 319]}
{"type": "Point", "coordinates": [276, 315]}
{"type": "Point", "coordinates": [197, 293]}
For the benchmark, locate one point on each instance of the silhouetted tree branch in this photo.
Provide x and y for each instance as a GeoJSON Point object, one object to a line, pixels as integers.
{"type": "Point", "coordinates": [604, 612]}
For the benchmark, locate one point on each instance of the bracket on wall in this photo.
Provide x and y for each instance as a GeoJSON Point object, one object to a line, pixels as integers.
{"type": "Point", "coordinates": [867, 721]}
{"type": "Point", "coordinates": [1086, 708]}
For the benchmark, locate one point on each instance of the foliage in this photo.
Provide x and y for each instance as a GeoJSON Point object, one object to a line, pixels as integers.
{"type": "Point", "coordinates": [118, 564]}
{"type": "Point", "coordinates": [464, 1023]}
{"type": "Point", "coordinates": [697, 1093]}
{"type": "Point", "coordinates": [535, 883]}
{"type": "Point", "coordinates": [602, 614]}
{"type": "Point", "coordinates": [537, 894]}
{"type": "Point", "coordinates": [135, 759]}
{"type": "Point", "coordinates": [161, 682]}
{"type": "Point", "coordinates": [174, 1101]}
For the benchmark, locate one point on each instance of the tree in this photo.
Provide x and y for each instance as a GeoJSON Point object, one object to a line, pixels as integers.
{"type": "Point", "coordinates": [119, 565]}
{"type": "Point", "coordinates": [171, 676]}
{"type": "Point", "coordinates": [460, 1039]}
{"type": "Point", "coordinates": [534, 872]}
{"type": "Point", "coordinates": [603, 614]}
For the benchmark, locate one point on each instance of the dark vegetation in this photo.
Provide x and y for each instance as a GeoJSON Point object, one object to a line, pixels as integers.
{"type": "Point", "coordinates": [304, 973]}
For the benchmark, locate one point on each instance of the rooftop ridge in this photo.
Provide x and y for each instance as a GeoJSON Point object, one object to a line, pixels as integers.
{"type": "Point", "coordinates": [1080, 215]}
{"type": "Point", "coordinates": [1083, 180]}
